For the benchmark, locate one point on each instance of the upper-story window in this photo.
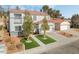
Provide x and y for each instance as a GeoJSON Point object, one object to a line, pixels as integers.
{"type": "Point", "coordinates": [34, 17]}
{"type": "Point", "coordinates": [17, 16]}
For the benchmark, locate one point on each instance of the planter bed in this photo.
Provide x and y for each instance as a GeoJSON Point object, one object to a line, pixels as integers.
{"type": "Point", "coordinates": [77, 30]}
{"type": "Point", "coordinates": [47, 40]}
{"type": "Point", "coordinates": [66, 34]}
{"type": "Point", "coordinates": [30, 45]}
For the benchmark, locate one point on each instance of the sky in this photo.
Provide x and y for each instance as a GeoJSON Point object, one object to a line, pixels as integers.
{"type": "Point", "coordinates": [66, 10]}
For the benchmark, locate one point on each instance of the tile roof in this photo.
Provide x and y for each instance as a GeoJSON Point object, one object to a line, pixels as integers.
{"type": "Point", "coordinates": [55, 20]}
{"type": "Point", "coordinates": [27, 11]}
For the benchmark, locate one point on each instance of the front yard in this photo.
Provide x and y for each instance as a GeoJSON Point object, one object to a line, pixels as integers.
{"type": "Point", "coordinates": [29, 45]}
{"type": "Point", "coordinates": [47, 40]}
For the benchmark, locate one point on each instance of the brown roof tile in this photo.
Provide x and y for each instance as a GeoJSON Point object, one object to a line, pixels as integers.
{"type": "Point", "coordinates": [55, 20]}
{"type": "Point", "coordinates": [27, 11]}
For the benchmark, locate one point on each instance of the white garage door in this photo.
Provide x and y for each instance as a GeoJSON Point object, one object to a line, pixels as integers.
{"type": "Point", "coordinates": [65, 27]}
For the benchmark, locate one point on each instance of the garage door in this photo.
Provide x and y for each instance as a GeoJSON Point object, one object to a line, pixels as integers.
{"type": "Point", "coordinates": [65, 27]}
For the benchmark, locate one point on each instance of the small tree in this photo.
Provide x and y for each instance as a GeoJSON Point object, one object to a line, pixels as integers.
{"type": "Point", "coordinates": [44, 26]}
{"type": "Point", "coordinates": [28, 26]}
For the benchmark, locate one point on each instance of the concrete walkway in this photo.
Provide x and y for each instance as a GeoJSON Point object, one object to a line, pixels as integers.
{"type": "Point", "coordinates": [38, 41]}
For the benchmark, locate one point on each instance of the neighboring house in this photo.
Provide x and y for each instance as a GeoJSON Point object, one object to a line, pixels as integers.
{"type": "Point", "coordinates": [16, 18]}
{"type": "Point", "coordinates": [56, 24]}
{"type": "Point", "coordinates": [61, 24]}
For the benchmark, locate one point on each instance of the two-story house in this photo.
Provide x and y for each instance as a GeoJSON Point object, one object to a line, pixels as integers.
{"type": "Point", "coordinates": [16, 18]}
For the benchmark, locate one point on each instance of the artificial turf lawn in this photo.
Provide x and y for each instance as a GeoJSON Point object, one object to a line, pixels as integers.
{"type": "Point", "coordinates": [29, 45]}
{"type": "Point", "coordinates": [47, 40]}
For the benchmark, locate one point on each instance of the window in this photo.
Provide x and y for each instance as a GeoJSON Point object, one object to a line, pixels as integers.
{"type": "Point", "coordinates": [34, 17]}
{"type": "Point", "coordinates": [17, 16]}
{"type": "Point", "coordinates": [17, 28]}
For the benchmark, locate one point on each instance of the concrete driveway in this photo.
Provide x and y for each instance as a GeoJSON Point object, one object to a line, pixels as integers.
{"type": "Point", "coordinates": [70, 48]}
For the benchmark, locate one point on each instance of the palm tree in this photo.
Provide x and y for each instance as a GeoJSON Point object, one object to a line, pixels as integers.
{"type": "Point", "coordinates": [58, 13]}
{"type": "Point", "coordinates": [53, 13]}
{"type": "Point", "coordinates": [17, 7]}
{"type": "Point", "coordinates": [45, 8]}
{"type": "Point", "coordinates": [50, 12]}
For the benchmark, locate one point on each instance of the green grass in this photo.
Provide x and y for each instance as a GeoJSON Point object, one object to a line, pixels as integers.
{"type": "Point", "coordinates": [45, 41]}
{"type": "Point", "coordinates": [33, 44]}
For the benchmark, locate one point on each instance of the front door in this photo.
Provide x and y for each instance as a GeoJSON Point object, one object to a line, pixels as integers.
{"type": "Point", "coordinates": [57, 26]}
{"type": "Point", "coordinates": [18, 29]}
{"type": "Point", "coordinates": [37, 29]}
